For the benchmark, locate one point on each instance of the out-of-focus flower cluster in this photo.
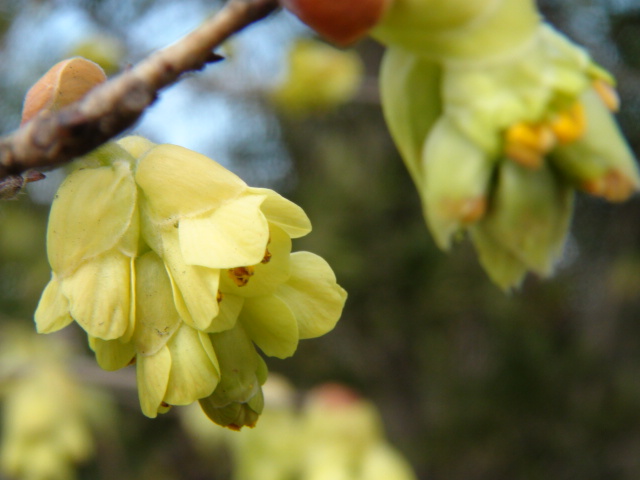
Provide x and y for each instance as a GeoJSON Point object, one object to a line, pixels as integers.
{"type": "Point", "coordinates": [49, 418]}
{"type": "Point", "coordinates": [335, 435]}
{"type": "Point", "coordinates": [319, 78]}
{"type": "Point", "coordinates": [499, 119]}
{"type": "Point", "coordinates": [170, 261]}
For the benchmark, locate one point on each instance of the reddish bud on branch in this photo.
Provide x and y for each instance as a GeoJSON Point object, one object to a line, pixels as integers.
{"type": "Point", "coordinates": [340, 21]}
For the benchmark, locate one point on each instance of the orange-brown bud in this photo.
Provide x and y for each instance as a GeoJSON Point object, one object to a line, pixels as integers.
{"type": "Point", "coordinates": [64, 83]}
{"type": "Point", "coordinates": [342, 22]}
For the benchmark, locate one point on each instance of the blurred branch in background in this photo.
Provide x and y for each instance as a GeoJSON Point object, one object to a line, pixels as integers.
{"type": "Point", "coordinates": [53, 138]}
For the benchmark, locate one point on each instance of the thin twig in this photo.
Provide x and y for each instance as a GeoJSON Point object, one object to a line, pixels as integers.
{"type": "Point", "coordinates": [53, 138]}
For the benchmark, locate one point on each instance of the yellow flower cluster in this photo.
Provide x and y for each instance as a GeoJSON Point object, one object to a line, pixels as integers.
{"type": "Point", "coordinates": [170, 261]}
{"type": "Point", "coordinates": [499, 119]}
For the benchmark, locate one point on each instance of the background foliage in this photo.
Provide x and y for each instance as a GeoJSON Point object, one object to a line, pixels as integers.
{"type": "Point", "coordinates": [472, 384]}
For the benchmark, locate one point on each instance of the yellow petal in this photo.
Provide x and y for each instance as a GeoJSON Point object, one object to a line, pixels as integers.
{"type": "Point", "coordinates": [136, 145]}
{"type": "Point", "coordinates": [152, 376]}
{"type": "Point", "coordinates": [457, 177]}
{"type": "Point", "coordinates": [90, 213]}
{"type": "Point", "coordinates": [52, 313]}
{"type": "Point", "coordinates": [271, 325]}
{"type": "Point", "coordinates": [195, 288]}
{"type": "Point", "coordinates": [151, 228]}
{"type": "Point", "coordinates": [232, 235]}
{"type": "Point", "coordinates": [410, 117]}
{"type": "Point", "coordinates": [312, 294]}
{"type": "Point", "coordinates": [193, 374]}
{"type": "Point", "coordinates": [284, 213]}
{"type": "Point", "coordinates": [130, 242]}
{"type": "Point", "coordinates": [530, 215]}
{"type": "Point", "coordinates": [266, 276]}
{"type": "Point", "coordinates": [230, 307]}
{"type": "Point", "coordinates": [502, 266]}
{"type": "Point", "coordinates": [112, 354]}
{"type": "Point", "coordinates": [128, 333]}
{"type": "Point", "coordinates": [99, 295]}
{"type": "Point", "coordinates": [207, 346]}
{"type": "Point", "coordinates": [156, 316]}
{"type": "Point", "coordinates": [607, 93]}
{"type": "Point", "coordinates": [178, 182]}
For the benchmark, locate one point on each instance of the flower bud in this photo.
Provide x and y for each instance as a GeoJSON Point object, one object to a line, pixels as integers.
{"type": "Point", "coordinates": [235, 415]}
{"type": "Point", "coordinates": [342, 22]}
{"type": "Point", "coordinates": [64, 83]}
{"type": "Point", "coordinates": [237, 401]}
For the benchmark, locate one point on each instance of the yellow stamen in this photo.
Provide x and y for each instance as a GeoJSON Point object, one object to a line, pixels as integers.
{"type": "Point", "coordinates": [607, 94]}
{"type": "Point", "coordinates": [527, 143]}
{"type": "Point", "coordinates": [241, 275]}
{"type": "Point", "coordinates": [569, 125]}
{"type": "Point", "coordinates": [219, 296]}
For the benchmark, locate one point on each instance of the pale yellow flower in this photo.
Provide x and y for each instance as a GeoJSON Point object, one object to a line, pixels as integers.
{"type": "Point", "coordinates": [170, 261]}
{"type": "Point", "coordinates": [499, 119]}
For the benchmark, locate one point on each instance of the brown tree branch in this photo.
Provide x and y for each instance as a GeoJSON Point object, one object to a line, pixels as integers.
{"type": "Point", "coordinates": [52, 138]}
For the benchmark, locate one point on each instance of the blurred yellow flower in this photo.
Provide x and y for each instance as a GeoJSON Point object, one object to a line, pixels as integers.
{"type": "Point", "coordinates": [49, 418]}
{"type": "Point", "coordinates": [319, 78]}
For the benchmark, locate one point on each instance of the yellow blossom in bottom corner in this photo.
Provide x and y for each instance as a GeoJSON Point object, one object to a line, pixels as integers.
{"type": "Point", "coordinates": [49, 418]}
